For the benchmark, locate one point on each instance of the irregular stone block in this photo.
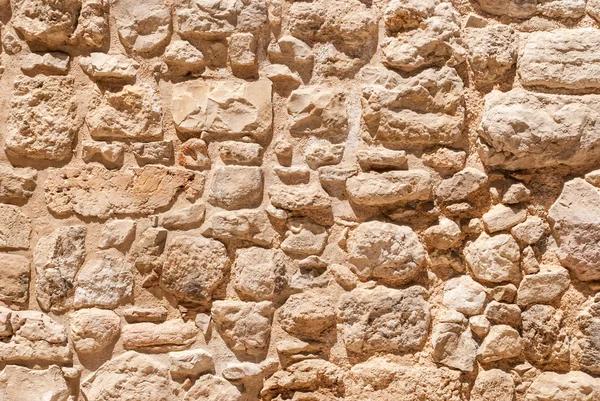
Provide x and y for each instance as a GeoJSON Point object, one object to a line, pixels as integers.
{"type": "Point", "coordinates": [231, 109]}
{"type": "Point", "coordinates": [298, 197]}
{"type": "Point", "coordinates": [572, 386]}
{"type": "Point", "coordinates": [527, 9]}
{"type": "Point", "coordinates": [98, 192]}
{"type": "Point", "coordinates": [193, 154]}
{"type": "Point", "coordinates": [385, 320]}
{"type": "Point", "coordinates": [20, 383]}
{"type": "Point", "coordinates": [453, 344]}
{"type": "Point", "coordinates": [317, 110]}
{"type": "Point", "coordinates": [493, 385]}
{"type": "Point", "coordinates": [259, 274]}
{"type": "Point", "coordinates": [92, 330]}
{"type": "Point", "coordinates": [92, 25]}
{"type": "Point", "coordinates": [143, 27]}
{"type": "Point", "coordinates": [423, 110]}
{"type": "Point", "coordinates": [524, 130]}
{"type": "Point", "coordinates": [43, 119]}
{"type": "Point", "coordinates": [16, 184]}
{"type": "Point", "coordinates": [162, 337]}
{"type": "Point", "coordinates": [543, 287]}
{"type": "Point", "coordinates": [190, 363]}
{"type": "Point", "coordinates": [464, 295]}
{"type": "Point", "coordinates": [117, 233]}
{"type": "Point", "coordinates": [545, 340]}
{"type": "Point", "coordinates": [15, 228]}
{"type": "Point", "coordinates": [236, 187]}
{"type": "Point", "coordinates": [47, 22]}
{"type": "Point", "coordinates": [131, 113]}
{"type": "Point", "coordinates": [307, 315]}
{"type": "Point", "coordinates": [502, 342]}
{"type": "Point", "coordinates": [252, 226]}
{"type": "Point", "coordinates": [494, 259]}
{"type": "Point", "coordinates": [209, 386]}
{"type": "Point", "coordinates": [14, 286]}
{"type": "Point", "coordinates": [111, 68]}
{"type": "Point", "coordinates": [53, 63]}
{"type": "Point", "coordinates": [588, 340]}
{"type": "Point", "coordinates": [492, 52]}
{"type": "Point", "coordinates": [109, 154]}
{"type": "Point", "coordinates": [382, 189]}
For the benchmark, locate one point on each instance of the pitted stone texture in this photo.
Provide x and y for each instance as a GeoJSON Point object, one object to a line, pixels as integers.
{"type": "Point", "coordinates": [259, 273]}
{"type": "Point", "coordinates": [589, 337]}
{"type": "Point", "coordinates": [104, 67]}
{"type": "Point", "coordinates": [502, 342]}
{"type": "Point", "coordinates": [131, 113]}
{"type": "Point", "coordinates": [195, 266]}
{"type": "Point", "coordinates": [494, 258]}
{"type": "Point", "coordinates": [492, 52]}
{"type": "Point", "coordinates": [57, 259]}
{"type": "Point", "coordinates": [564, 58]}
{"type": "Point", "coordinates": [236, 187]}
{"type": "Point", "coordinates": [15, 228]}
{"type": "Point", "coordinates": [43, 120]}
{"type": "Point", "coordinates": [434, 41]}
{"type": "Point", "coordinates": [92, 330]}
{"type": "Point", "coordinates": [493, 385]}
{"type": "Point", "coordinates": [385, 320]}
{"type": "Point", "coordinates": [453, 343]}
{"type": "Point", "coordinates": [92, 25]}
{"type": "Point", "coordinates": [426, 109]}
{"type": "Point", "coordinates": [129, 376]}
{"type": "Point", "coordinates": [464, 295]}
{"type": "Point", "coordinates": [577, 228]}
{"type": "Point", "coordinates": [299, 197]}
{"type": "Point", "coordinates": [20, 383]}
{"type": "Point", "coordinates": [308, 315]}
{"type": "Point", "coordinates": [36, 338]}
{"type": "Point", "coordinates": [543, 287]}
{"type": "Point", "coordinates": [98, 192]}
{"type": "Point", "coordinates": [47, 22]}
{"type": "Point", "coordinates": [223, 108]}
{"type": "Point", "coordinates": [207, 20]}
{"type": "Point", "coordinates": [317, 110]}
{"type": "Point", "coordinates": [525, 130]}
{"type": "Point", "coordinates": [545, 339]}
{"type": "Point", "coordinates": [143, 27]}
{"type": "Point", "coordinates": [252, 226]}
{"type": "Point", "coordinates": [382, 189]}
{"type": "Point", "coordinates": [572, 386]}
{"type": "Point", "coordinates": [386, 252]}
{"type": "Point", "coordinates": [104, 281]}
{"type": "Point", "coordinates": [14, 286]}
{"type": "Point", "coordinates": [245, 326]}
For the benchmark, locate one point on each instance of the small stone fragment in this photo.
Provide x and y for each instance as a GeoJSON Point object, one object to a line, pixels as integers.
{"type": "Point", "coordinates": [136, 314]}
{"type": "Point", "coordinates": [464, 295]}
{"type": "Point", "coordinates": [446, 160]}
{"type": "Point", "coordinates": [109, 154]}
{"type": "Point", "coordinates": [190, 363]}
{"type": "Point", "coordinates": [116, 233]}
{"type": "Point", "coordinates": [516, 193]}
{"type": "Point", "coordinates": [247, 225]}
{"type": "Point", "coordinates": [462, 185]}
{"type": "Point", "coordinates": [479, 325]}
{"type": "Point", "coordinates": [501, 313]}
{"type": "Point", "coordinates": [213, 388]}
{"type": "Point", "coordinates": [92, 25]}
{"type": "Point", "coordinates": [182, 57]}
{"type": "Point", "coordinates": [304, 238]}
{"type": "Point", "coordinates": [492, 52]}
{"type": "Point", "coordinates": [381, 189]}
{"type": "Point", "coordinates": [531, 230]}
{"type": "Point", "coordinates": [445, 235]}
{"type": "Point", "coordinates": [260, 274]}
{"type": "Point", "coordinates": [453, 344]}
{"type": "Point", "coordinates": [110, 68]}
{"type": "Point", "coordinates": [242, 55]}
{"type": "Point", "coordinates": [53, 63]}
{"type": "Point", "coordinates": [236, 187]}
{"type": "Point", "coordinates": [298, 197]}
{"type": "Point", "coordinates": [323, 153]}
{"type": "Point", "coordinates": [318, 111]}
{"type": "Point", "coordinates": [381, 158]}
{"type": "Point", "coordinates": [493, 385]}
{"type": "Point", "coordinates": [232, 152]}
{"type": "Point", "coordinates": [183, 219]}
{"type": "Point", "coordinates": [193, 154]}
{"type": "Point", "coordinates": [143, 27]}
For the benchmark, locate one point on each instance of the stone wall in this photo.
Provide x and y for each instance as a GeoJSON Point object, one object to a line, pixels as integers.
{"type": "Point", "coordinates": [239, 200]}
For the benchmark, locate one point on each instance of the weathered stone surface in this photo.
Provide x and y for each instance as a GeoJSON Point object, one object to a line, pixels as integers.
{"type": "Point", "coordinates": [195, 266]}
{"type": "Point", "coordinates": [527, 9]}
{"type": "Point", "coordinates": [462, 186]}
{"type": "Point", "coordinates": [307, 315]}
{"type": "Point", "coordinates": [531, 230]}
{"type": "Point", "coordinates": [36, 338]}
{"type": "Point", "coordinates": [503, 313]}
{"type": "Point", "coordinates": [182, 57]}
{"type": "Point", "coordinates": [193, 154]}
{"type": "Point", "coordinates": [213, 388]}
{"type": "Point", "coordinates": [381, 378]}
{"type": "Point", "coordinates": [117, 233]}
{"type": "Point", "coordinates": [502, 342]}
{"type": "Point", "coordinates": [386, 252]}
{"type": "Point", "coordinates": [543, 287]}
{"type": "Point", "coordinates": [53, 63]}
{"type": "Point", "coordinates": [92, 330]}
{"type": "Point", "coordinates": [183, 219]}
{"type": "Point", "coordinates": [493, 385]}
{"type": "Point", "coordinates": [589, 340]}
{"type": "Point", "coordinates": [152, 337]}
{"type": "Point", "coordinates": [318, 111]}
{"type": "Point", "coordinates": [552, 386]}
{"type": "Point", "coordinates": [112, 68]}
{"type": "Point", "coordinates": [109, 154]}
{"type": "Point", "coordinates": [525, 130]}
{"type": "Point", "coordinates": [423, 110]}
{"type": "Point", "coordinates": [304, 238]}
{"type": "Point", "coordinates": [236, 187]}
{"type": "Point", "coordinates": [231, 109]}
{"type": "Point", "coordinates": [48, 22]}
{"type": "Point", "coordinates": [259, 273]}
{"type": "Point", "coordinates": [43, 120]}
{"type": "Point", "coordinates": [245, 326]}
{"type": "Point", "coordinates": [135, 314]}
{"type": "Point", "coordinates": [153, 152]}
{"type": "Point", "coordinates": [577, 228]}
{"type": "Point", "coordinates": [98, 192]}
{"type": "Point", "coordinates": [143, 27]}
{"type": "Point", "coordinates": [16, 184]}
{"type": "Point", "coordinates": [545, 340]}
{"type": "Point", "coordinates": [246, 225]}
{"type": "Point", "coordinates": [453, 344]}
{"type": "Point", "coordinates": [381, 189]}
{"type": "Point", "coordinates": [131, 113]}
{"type": "Point", "coordinates": [198, 19]}
{"type": "Point", "coordinates": [445, 160]}
{"type": "Point", "coordinates": [494, 258]}
{"type": "Point", "coordinates": [104, 281]}
{"type": "Point", "coordinates": [431, 39]}
{"type": "Point", "coordinates": [464, 295]}
{"type": "Point", "coordinates": [445, 235]}
{"type": "Point", "coordinates": [57, 259]}
{"type": "Point", "coordinates": [563, 59]}
{"type": "Point", "coordinates": [299, 197]}
{"type": "Point", "coordinates": [501, 218]}
{"type": "Point", "coordinates": [492, 52]}
{"type": "Point", "coordinates": [20, 383]}
{"type": "Point", "coordinates": [92, 25]}
{"type": "Point", "coordinates": [129, 376]}
{"type": "Point", "coordinates": [146, 252]}
{"type": "Point", "coordinates": [14, 286]}
{"type": "Point", "coordinates": [384, 320]}
{"type": "Point", "coordinates": [190, 363]}
{"type": "Point", "coordinates": [15, 228]}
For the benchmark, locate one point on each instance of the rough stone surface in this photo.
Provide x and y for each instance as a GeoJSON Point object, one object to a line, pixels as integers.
{"type": "Point", "coordinates": [14, 270]}
{"type": "Point", "coordinates": [22, 383]}
{"type": "Point", "coordinates": [493, 258]}
{"type": "Point", "coordinates": [159, 337]}
{"type": "Point", "coordinates": [551, 386]}
{"type": "Point", "coordinates": [545, 341]}
{"type": "Point", "coordinates": [493, 384]}
{"type": "Point", "coordinates": [15, 228]}
{"type": "Point", "coordinates": [92, 330]}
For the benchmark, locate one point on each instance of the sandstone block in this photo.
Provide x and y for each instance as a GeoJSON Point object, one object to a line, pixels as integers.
{"type": "Point", "coordinates": [16, 184]}
{"type": "Point", "coordinates": [252, 226]}
{"type": "Point", "coordinates": [381, 189]}
{"type": "Point", "coordinates": [20, 383]}
{"type": "Point", "coordinates": [116, 233]}
{"type": "Point", "coordinates": [307, 315]}
{"type": "Point", "coordinates": [493, 385]}
{"type": "Point", "coordinates": [47, 22]}
{"type": "Point", "coordinates": [15, 228]}
{"type": "Point", "coordinates": [236, 187]}
{"type": "Point", "coordinates": [502, 342]}
{"type": "Point", "coordinates": [92, 25]}
{"type": "Point", "coordinates": [111, 68]}
{"type": "Point", "coordinates": [545, 340]}
{"type": "Point", "coordinates": [494, 259]}
{"type": "Point", "coordinates": [14, 286]}
{"type": "Point", "coordinates": [143, 27]}
{"type": "Point", "coordinates": [543, 287]}
{"type": "Point", "coordinates": [259, 273]}
{"type": "Point", "coordinates": [159, 337]}
{"type": "Point", "coordinates": [92, 330]}
{"type": "Point", "coordinates": [552, 386]}
{"type": "Point", "coordinates": [318, 111]}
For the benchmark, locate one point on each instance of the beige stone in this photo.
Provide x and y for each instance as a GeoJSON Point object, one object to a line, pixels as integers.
{"type": "Point", "coordinates": [493, 258]}
{"type": "Point", "coordinates": [493, 385]}
{"type": "Point", "coordinates": [453, 344]}
{"type": "Point", "coordinates": [260, 274]}
{"type": "Point", "coordinates": [193, 154]}
{"type": "Point", "coordinates": [381, 189]}
{"type": "Point", "coordinates": [171, 335]}
{"type": "Point", "coordinates": [545, 322]}
{"type": "Point", "coordinates": [52, 63]}
{"type": "Point", "coordinates": [552, 386]}
{"type": "Point", "coordinates": [143, 27]}
{"type": "Point", "coordinates": [231, 109]}
{"type": "Point", "coordinates": [128, 191]}
{"type": "Point", "coordinates": [15, 228]}
{"type": "Point", "coordinates": [232, 152]}
{"type": "Point", "coordinates": [131, 113]}
{"type": "Point", "coordinates": [182, 57]}
{"type": "Point", "coordinates": [213, 388]}
{"type": "Point", "coordinates": [16, 184]}
{"type": "Point", "coordinates": [517, 9]}
{"type": "Point", "coordinates": [236, 187]}
{"type": "Point", "coordinates": [92, 330]}
{"type": "Point", "coordinates": [501, 218]}
{"type": "Point", "coordinates": [502, 342]}
{"type": "Point", "coordinates": [47, 22]}
{"type": "Point", "coordinates": [464, 295]}
{"type": "Point", "coordinates": [298, 197]}
{"type": "Point", "coordinates": [543, 287]}
{"type": "Point", "coordinates": [247, 225]}
{"type": "Point", "coordinates": [463, 185]}
{"type": "Point", "coordinates": [190, 363]}
{"type": "Point", "coordinates": [492, 52]}
{"type": "Point", "coordinates": [318, 111]}
{"type": "Point", "coordinates": [20, 383]}
{"type": "Point", "coordinates": [14, 286]}
{"type": "Point", "coordinates": [111, 68]}
{"type": "Point", "coordinates": [308, 315]}
{"type": "Point", "coordinates": [116, 233]}
{"type": "Point", "coordinates": [109, 154]}
{"type": "Point", "coordinates": [43, 120]}
{"type": "Point", "coordinates": [92, 25]}
{"type": "Point", "coordinates": [183, 219]}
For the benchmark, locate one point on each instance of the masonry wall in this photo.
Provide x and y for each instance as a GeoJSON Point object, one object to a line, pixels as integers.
{"type": "Point", "coordinates": [236, 200]}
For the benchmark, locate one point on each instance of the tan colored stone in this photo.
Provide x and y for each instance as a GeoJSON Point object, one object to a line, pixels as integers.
{"type": "Point", "coordinates": [15, 228]}
{"type": "Point", "coordinates": [318, 110]}
{"type": "Point", "coordinates": [298, 197]}
{"type": "Point", "coordinates": [493, 385]}
{"type": "Point", "coordinates": [16, 184]}
{"type": "Point", "coordinates": [236, 187]}
{"type": "Point", "coordinates": [308, 315]}
{"type": "Point", "coordinates": [494, 258]}
{"type": "Point", "coordinates": [92, 25]}
{"type": "Point", "coordinates": [231, 109]}
{"type": "Point", "coordinates": [572, 386]}
{"type": "Point", "coordinates": [43, 122]}
{"type": "Point", "coordinates": [20, 383]}
{"type": "Point", "coordinates": [246, 225]}
{"type": "Point", "coordinates": [242, 54]}
{"type": "Point", "coordinates": [92, 330]}
{"type": "Point", "coordinates": [14, 286]}
{"type": "Point", "coordinates": [131, 113]}
{"type": "Point", "coordinates": [52, 63]}
{"type": "Point", "coordinates": [109, 154]}
{"type": "Point", "coordinates": [492, 52]}
{"type": "Point", "coordinates": [193, 154]}
{"type": "Point", "coordinates": [116, 233]}
{"type": "Point", "coordinates": [464, 295]}
{"type": "Point", "coordinates": [260, 274]}
{"type": "Point", "coordinates": [382, 189]}
{"type": "Point", "coordinates": [47, 22]}
{"type": "Point", "coordinates": [453, 343]}
{"type": "Point", "coordinates": [111, 68]}
{"type": "Point", "coordinates": [212, 388]}
{"type": "Point", "coordinates": [232, 152]}
{"type": "Point", "coordinates": [190, 363]}
{"type": "Point", "coordinates": [171, 335]}
{"type": "Point", "coordinates": [462, 186]}
{"type": "Point", "coordinates": [501, 217]}
{"type": "Point", "coordinates": [543, 287]}
{"type": "Point", "coordinates": [545, 339]}
{"type": "Point", "coordinates": [128, 191]}
{"type": "Point", "coordinates": [518, 9]}
{"type": "Point", "coordinates": [183, 219]}
{"type": "Point", "coordinates": [502, 342]}
{"type": "Point", "coordinates": [143, 27]}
